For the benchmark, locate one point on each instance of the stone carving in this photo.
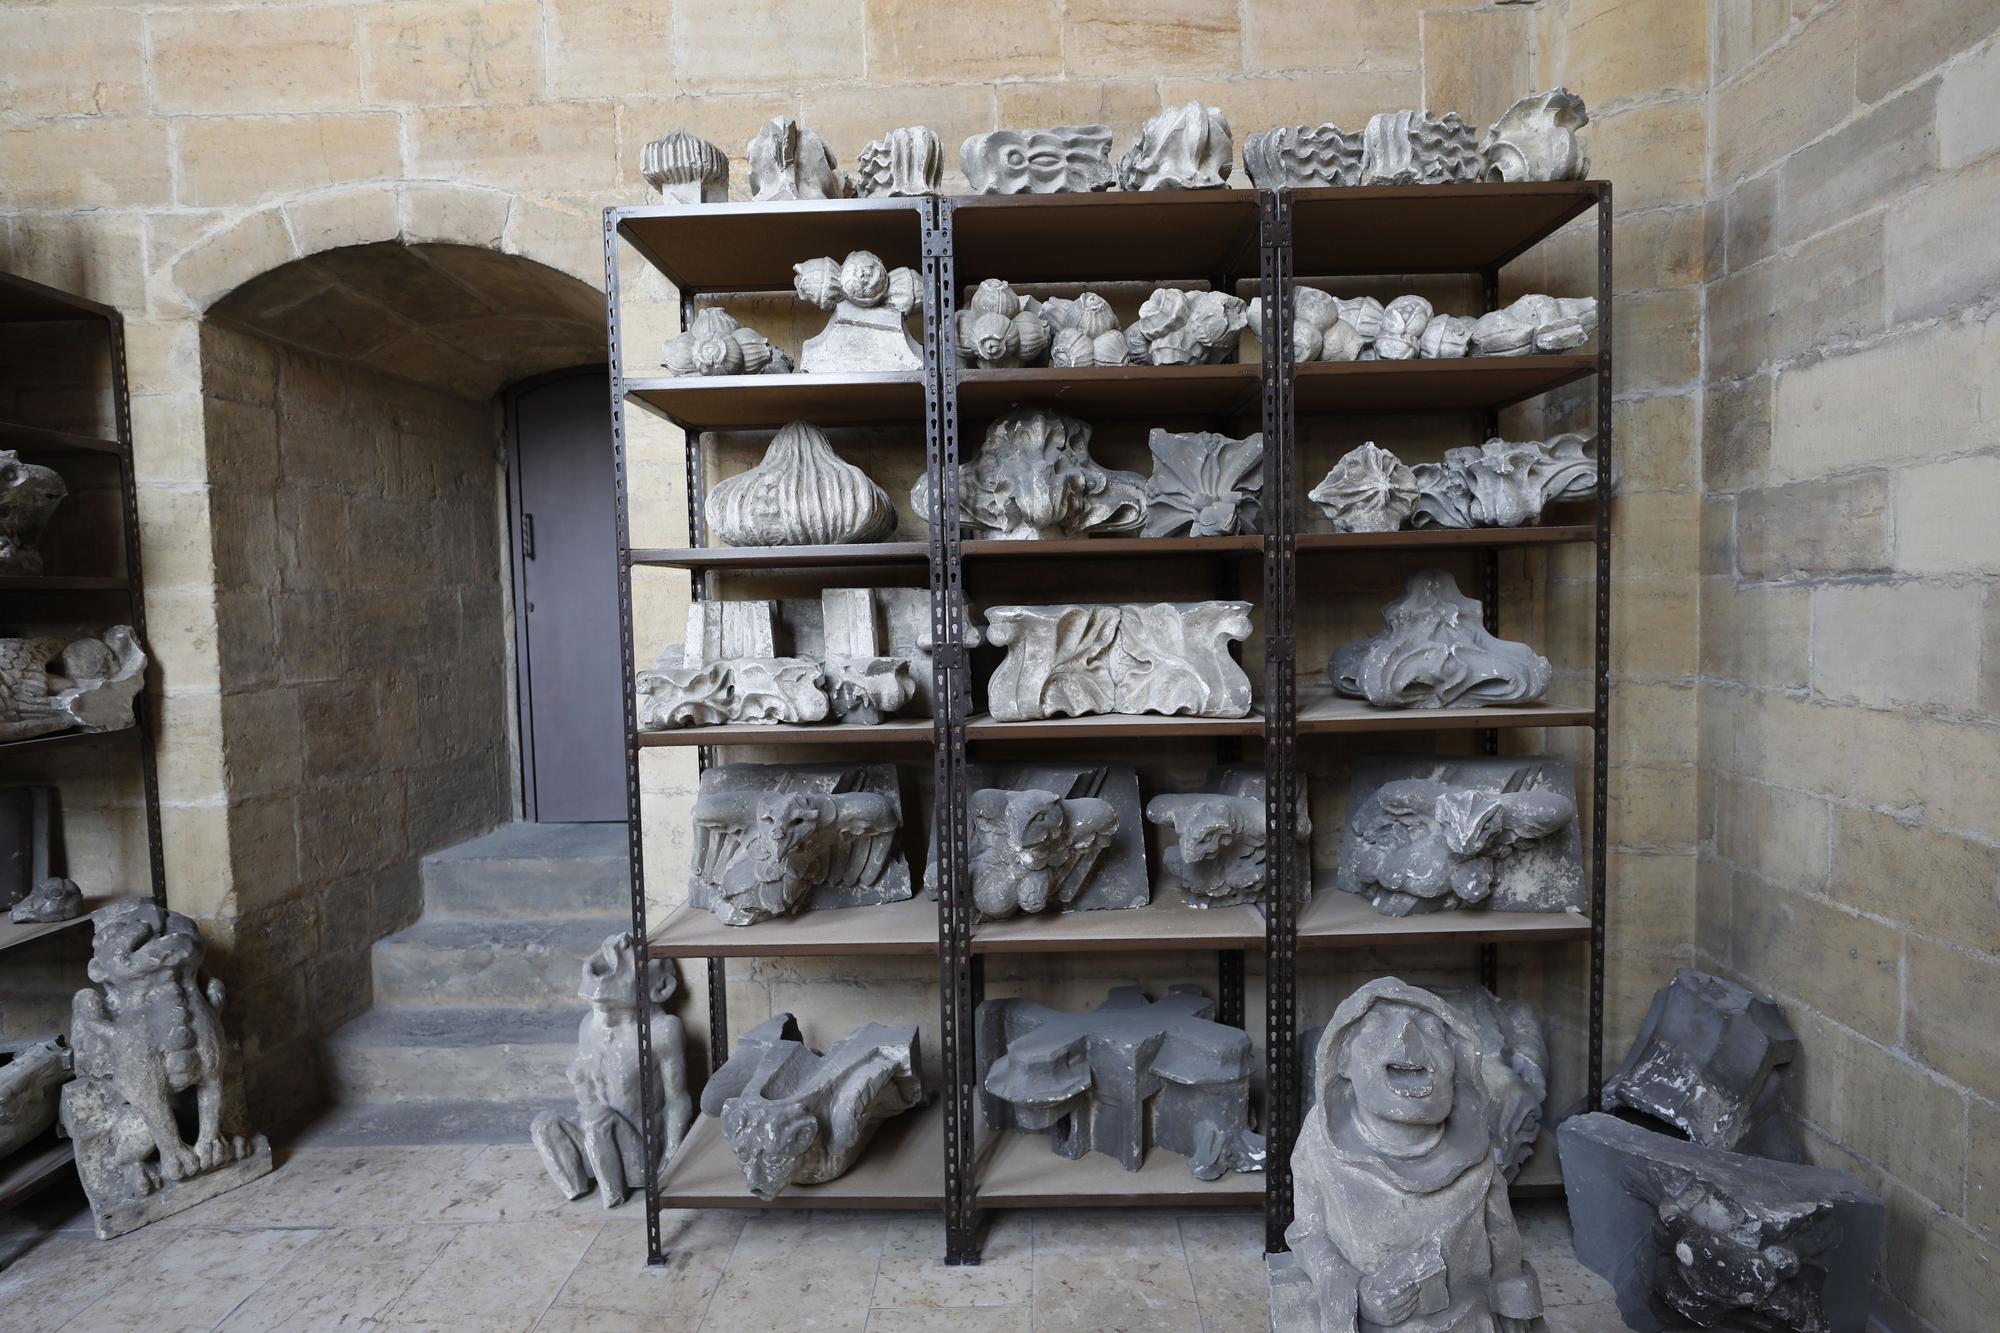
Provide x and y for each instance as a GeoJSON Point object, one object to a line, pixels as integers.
{"type": "Point", "coordinates": [1300, 157]}
{"type": "Point", "coordinates": [1535, 324]}
{"type": "Point", "coordinates": [1418, 148]}
{"type": "Point", "coordinates": [1204, 484]}
{"type": "Point", "coordinates": [902, 162]}
{"type": "Point", "coordinates": [1034, 478]}
{"type": "Point", "coordinates": [1084, 328]}
{"type": "Point", "coordinates": [1182, 148]}
{"type": "Point", "coordinates": [1368, 490]}
{"type": "Point", "coordinates": [1051, 161]}
{"type": "Point", "coordinates": [789, 161]}
{"type": "Point", "coordinates": [1536, 140]}
{"type": "Point", "coordinates": [1325, 327]}
{"type": "Point", "coordinates": [795, 1117]}
{"type": "Point", "coordinates": [728, 670]}
{"type": "Point", "coordinates": [32, 1074]}
{"type": "Point", "coordinates": [1401, 1218]}
{"type": "Point", "coordinates": [29, 494]}
{"type": "Point", "coordinates": [153, 1035]}
{"type": "Point", "coordinates": [1710, 1060]}
{"type": "Point", "coordinates": [1514, 1066]}
{"type": "Point", "coordinates": [715, 344]}
{"type": "Point", "coordinates": [1436, 653]}
{"type": "Point", "coordinates": [685, 169]}
{"type": "Point", "coordinates": [605, 1141]}
{"type": "Point", "coordinates": [53, 684]}
{"type": "Point", "coordinates": [1434, 833]}
{"type": "Point", "coordinates": [1182, 328]}
{"type": "Point", "coordinates": [1129, 1074]}
{"type": "Point", "coordinates": [996, 329]}
{"type": "Point", "coordinates": [802, 493]}
{"type": "Point", "coordinates": [869, 302]}
{"type": "Point", "coordinates": [1160, 657]}
{"type": "Point", "coordinates": [1219, 837]}
{"type": "Point", "coordinates": [54, 899]}
{"type": "Point", "coordinates": [1503, 483]}
{"type": "Point", "coordinates": [775, 839]}
{"type": "Point", "coordinates": [1445, 337]}
{"type": "Point", "coordinates": [1693, 1235]}
{"type": "Point", "coordinates": [864, 684]}
{"type": "Point", "coordinates": [1046, 835]}
{"type": "Point", "coordinates": [1402, 328]}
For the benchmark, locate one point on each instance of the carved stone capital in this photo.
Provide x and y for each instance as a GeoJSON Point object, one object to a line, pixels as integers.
{"type": "Point", "coordinates": [1161, 657]}
{"type": "Point", "coordinates": [1034, 478]}
{"type": "Point", "coordinates": [1436, 653]}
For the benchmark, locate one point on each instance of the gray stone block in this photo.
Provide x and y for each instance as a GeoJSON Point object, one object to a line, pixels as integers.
{"type": "Point", "coordinates": [472, 961]}
{"type": "Point", "coordinates": [1694, 1235]}
{"type": "Point", "coordinates": [525, 869]}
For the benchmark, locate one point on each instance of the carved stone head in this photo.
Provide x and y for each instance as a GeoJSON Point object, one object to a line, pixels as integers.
{"type": "Point", "coordinates": [608, 975]}
{"type": "Point", "coordinates": [772, 1141]}
{"type": "Point", "coordinates": [134, 939]}
{"type": "Point", "coordinates": [1400, 1064]}
{"type": "Point", "coordinates": [1036, 828]}
{"type": "Point", "coordinates": [794, 821]}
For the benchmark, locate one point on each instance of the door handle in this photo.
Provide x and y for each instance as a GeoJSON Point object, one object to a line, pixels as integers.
{"type": "Point", "coordinates": [527, 536]}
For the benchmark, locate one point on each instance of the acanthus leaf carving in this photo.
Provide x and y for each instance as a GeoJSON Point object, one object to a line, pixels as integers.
{"type": "Point", "coordinates": [1034, 478]}
{"type": "Point", "coordinates": [1436, 653]}
{"type": "Point", "coordinates": [1204, 484]}
{"type": "Point", "coordinates": [1536, 140]}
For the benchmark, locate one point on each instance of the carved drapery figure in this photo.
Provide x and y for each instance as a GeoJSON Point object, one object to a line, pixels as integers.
{"type": "Point", "coordinates": [605, 1141]}
{"type": "Point", "coordinates": [908, 161]}
{"type": "Point", "coordinates": [1535, 323]}
{"type": "Point", "coordinates": [1326, 327]}
{"type": "Point", "coordinates": [789, 161]}
{"type": "Point", "coordinates": [1182, 148]}
{"type": "Point", "coordinates": [1219, 838]}
{"type": "Point", "coordinates": [32, 1074]}
{"type": "Point", "coordinates": [795, 1117]}
{"type": "Point", "coordinates": [54, 899]}
{"type": "Point", "coordinates": [1689, 1234]}
{"type": "Point", "coordinates": [1436, 653]}
{"type": "Point", "coordinates": [1401, 1219]}
{"type": "Point", "coordinates": [996, 329]}
{"type": "Point", "coordinates": [1300, 157]}
{"type": "Point", "coordinates": [869, 302]}
{"type": "Point", "coordinates": [1162, 657]}
{"type": "Point", "coordinates": [729, 671]}
{"type": "Point", "coordinates": [29, 494]}
{"type": "Point", "coordinates": [1183, 328]}
{"type": "Point", "coordinates": [801, 493]}
{"type": "Point", "coordinates": [52, 684]}
{"type": "Point", "coordinates": [1427, 833]}
{"type": "Point", "coordinates": [774, 839]}
{"type": "Point", "coordinates": [1061, 159]}
{"type": "Point", "coordinates": [714, 343]}
{"type": "Point", "coordinates": [154, 1034]}
{"type": "Point", "coordinates": [1504, 483]}
{"type": "Point", "coordinates": [1418, 148]}
{"type": "Point", "coordinates": [1536, 140]}
{"type": "Point", "coordinates": [1128, 1074]}
{"type": "Point", "coordinates": [1084, 330]}
{"type": "Point", "coordinates": [1034, 478]}
{"type": "Point", "coordinates": [1204, 484]}
{"type": "Point", "coordinates": [685, 169]}
{"type": "Point", "coordinates": [1368, 490]}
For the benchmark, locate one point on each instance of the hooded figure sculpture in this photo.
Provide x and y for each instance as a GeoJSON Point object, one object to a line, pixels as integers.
{"type": "Point", "coordinates": [1401, 1218]}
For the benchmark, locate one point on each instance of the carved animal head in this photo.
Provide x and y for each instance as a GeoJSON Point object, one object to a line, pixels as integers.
{"type": "Point", "coordinates": [772, 1140]}
{"type": "Point", "coordinates": [136, 938]}
{"type": "Point", "coordinates": [793, 822]}
{"type": "Point", "coordinates": [1036, 827]}
{"type": "Point", "coordinates": [609, 973]}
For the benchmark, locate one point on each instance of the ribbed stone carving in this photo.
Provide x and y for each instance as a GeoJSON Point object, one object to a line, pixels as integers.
{"type": "Point", "coordinates": [685, 169]}
{"type": "Point", "coordinates": [1368, 490]}
{"type": "Point", "coordinates": [908, 161]}
{"type": "Point", "coordinates": [1536, 140]}
{"type": "Point", "coordinates": [1084, 330]}
{"type": "Point", "coordinates": [1061, 159]}
{"type": "Point", "coordinates": [1204, 484]}
{"type": "Point", "coordinates": [1418, 148]}
{"type": "Point", "coordinates": [1182, 148]}
{"type": "Point", "coordinates": [714, 343]}
{"type": "Point", "coordinates": [1535, 323]}
{"type": "Point", "coordinates": [801, 494]}
{"type": "Point", "coordinates": [1504, 483]}
{"type": "Point", "coordinates": [789, 161]}
{"type": "Point", "coordinates": [1436, 653]}
{"type": "Point", "coordinates": [1182, 328]}
{"type": "Point", "coordinates": [996, 329]}
{"type": "Point", "coordinates": [1326, 327]}
{"type": "Point", "coordinates": [1034, 478]}
{"type": "Point", "coordinates": [1402, 328]}
{"type": "Point", "coordinates": [1302, 156]}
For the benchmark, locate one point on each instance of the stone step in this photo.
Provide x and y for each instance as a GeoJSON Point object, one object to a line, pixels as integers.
{"type": "Point", "coordinates": [452, 1053]}
{"type": "Point", "coordinates": [532, 870]}
{"type": "Point", "coordinates": [422, 1123]}
{"type": "Point", "coordinates": [488, 961]}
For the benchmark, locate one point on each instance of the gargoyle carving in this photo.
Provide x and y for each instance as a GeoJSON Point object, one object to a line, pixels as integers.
{"type": "Point", "coordinates": [29, 494]}
{"type": "Point", "coordinates": [1057, 160]}
{"type": "Point", "coordinates": [1436, 653]}
{"type": "Point", "coordinates": [155, 1033]}
{"type": "Point", "coordinates": [1033, 849]}
{"type": "Point", "coordinates": [1034, 478]}
{"type": "Point", "coordinates": [53, 684]}
{"type": "Point", "coordinates": [795, 1117]}
{"type": "Point", "coordinates": [1219, 838]}
{"type": "Point", "coordinates": [869, 301]}
{"type": "Point", "coordinates": [605, 1141]}
{"type": "Point", "coordinates": [774, 839]}
{"type": "Point", "coordinates": [1204, 484]}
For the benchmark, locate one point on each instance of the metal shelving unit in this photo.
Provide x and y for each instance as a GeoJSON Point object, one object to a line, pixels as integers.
{"type": "Point", "coordinates": [1227, 239]}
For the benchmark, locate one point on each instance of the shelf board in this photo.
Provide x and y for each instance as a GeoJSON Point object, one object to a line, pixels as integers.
{"type": "Point", "coordinates": [36, 439]}
{"type": "Point", "coordinates": [1394, 229]}
{"type": "Point", "coordinates": [1100, 393]}
{"type": "Point", "coordinates": [1160, 236]}
{"type": "Point", "coordinates": [902, 1167]}
{"type": "Point", "coordinates": [28, 1170]}
{"type": "Point", "coordinates": [22, 300]}
{"type": "Point", "coordinates": [1066, 548]}
{"type": "Point", "coordinates": [1018, 1169]}
{"type": "Point", "coordinates": [62, 739]}
{"type": "Point", "coordinates": [13, 936]}
{"type": "Point", "coordinates": [1322, 711]}
{"type": "Point", "coordinates": [1460, 384]}
{"type": "Point", "coordinates": [981, 727]}
{"type": "Point", "coordinates": [752, 247]}
{"type": "Point", "coordinates": [1166, 923]}
{"type": "Point", "coordinates": [918, 553]}
{"type": "Point", "coordinates": [767, 402]}
{"type": "Point", "coordinates": [908, 927]}
{"type": "Point", "coordinates": [896, 731]}
{"type": "Point", "coordinates": [1336, 920]}
{"type": "Point", "coordinates": [1433, 538]}
{"type": "Point", "coordinates": [61, 583]}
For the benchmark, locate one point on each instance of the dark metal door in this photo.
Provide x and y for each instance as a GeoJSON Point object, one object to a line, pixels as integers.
{"type": "Point", "coordinates": [566, 598]}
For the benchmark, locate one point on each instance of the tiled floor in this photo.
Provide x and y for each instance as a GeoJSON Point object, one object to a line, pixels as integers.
{"type": "Point", "coordinates": [477, 1239]}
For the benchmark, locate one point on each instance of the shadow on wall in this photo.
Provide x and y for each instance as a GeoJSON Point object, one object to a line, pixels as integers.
{"type": "Point", "coordinates": [356, 507]}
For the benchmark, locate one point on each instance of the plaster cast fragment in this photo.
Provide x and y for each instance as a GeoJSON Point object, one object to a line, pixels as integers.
{"type": "Point", "coordinates": [1535, 323]}
{"type": "Point", "coordinates": [1445, 337]}
{"type": "Point", "coordinates": [1219, 837]}
{"type": "Point", "coordinates": [685, 169]}
{"type": "Point", "coordinates": [1325, 327]}
{"type": "Point", "coordinates": [55, 683]}
{"type": "Point", "coordinates": [714, 343]}
{"type": "Point", "coordinates": [903, 162]}
{"type": "Point", "coordinates": [1418, 148]}
{"type": "Point", "coordinates": [1504, 483]}
{"type": "Point", "coordinates": [1182, 148]}
{"type": "Point", "coordinates": [789, 161]}
{"type": "Point", "coordinates": [32, 1075]}
{"type": "Point", "coordinates": [54, 899]}
{"type": "Point", "coordinates": [1302, 156]}
{"type": "Point", "coordinates": [1204, 484]}
{"type": "Point", "coordinates": [1034, 478]}
{"type": "Point", "coordinates": [29, 494]}
{"type": "Point", "coordinates": [801, 493]}
{"type": "Point", "coordinates": [1368, 490]}
{"type": "Point", "coordinates": [1403, 323]}
{"type": "Point", "coordinates": [1084, 330]}
{"type": "Point", "coordinates": [996, 329]}
{"type": "Point", "coordinates": [1181, 328]}
{"type": "Point", "coordinates": [865, 683]}
{"type": "Point", "coordinates": [1161, 657]}
{"type": "Point", "coordinates": [1436, 653]}
{"type": "Point", "coordinates": [1061, 159]}
{"type": "Point", "coordinates": [1052, 836]}
{"type": "Point", "coordinates": [728, 670]}
{"type": "Point", "coordinates": [775, 839]}
{"type": "Point", "coordinates": [869, 302]}
{"type": "Point", "coordinates": [1536, 140]}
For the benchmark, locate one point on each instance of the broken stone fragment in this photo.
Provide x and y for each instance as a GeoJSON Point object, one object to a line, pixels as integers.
{"type": "Point", "coordinates": [685, 169]}
{"type": "Point", "coordinates": [1046, 161]}
{"type": "Point", "coordinates": [1182, 148]}
{"type": "Point", "coordinates": [54, 899]}
{"type": "Point", "coordinates": [789, 161]}
{"type": "Point", "coordinates": [1368, 490]}
{"type": "Point", "coordinates": [1536, 140]}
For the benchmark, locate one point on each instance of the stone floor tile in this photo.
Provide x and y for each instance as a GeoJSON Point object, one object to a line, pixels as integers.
{"type": "Point", "coordinates": [1104, 1231]}
{"type": "Point", "coordinates": [613, 1276]}
{"type": "Point", "coordinates": [1114, 1290]}
{"type": "Point", "coordinates": [812, 1290]}
{"type": "Point", "coordinates": [341, 1278]}
{"type": "Point", "coordinates": [505, 1183]}
{"type": "Point", "coordinates": [359, 1186]}
{"type": "Point", "coordinates": [1596, 1317]}
{"type": "Point", "coordinates": [494, 1276]}
{"type": "Point", "coordinates": [47, 1279]}
{"type": "Point", "coordinates": [582, 1319]}
{"type": "Point", "coordinates": [192, 1281]}
{"type": "Point", "coordinates": [988, 1319]}
{"type": "Point", "coordinates": [1565, 1281]}
{"type": "Point", "coordinates": [913, 1272]}
{"type": "Point", "coordinates": [777, 1235]}
{"type": "Point", "coordinates": [1226, 1257]}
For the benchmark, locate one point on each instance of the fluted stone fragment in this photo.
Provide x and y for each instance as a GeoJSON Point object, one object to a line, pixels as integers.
{"type": "Point", "coordinates": [801, 494]}
{"type": "Point", "coordinates": [685, 169]}
{"type": "Point", "coordinates": [908, 161]}
{"type": "Point", "coordinates": [1302, 156]}
{"type": "Point", "coordinates": [714, 343]}
{"type": "Point", "coordinates": [1418, 148]}
{"type": "Point", "coordinates": [1182, 148]}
